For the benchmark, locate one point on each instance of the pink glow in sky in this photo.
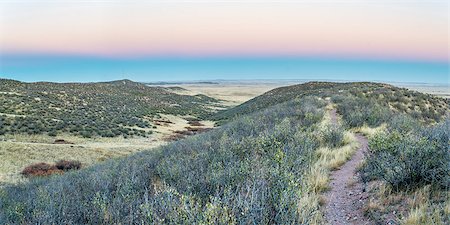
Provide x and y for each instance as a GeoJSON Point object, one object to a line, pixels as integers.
{"type": "Point", "coordinates": [416, 30]}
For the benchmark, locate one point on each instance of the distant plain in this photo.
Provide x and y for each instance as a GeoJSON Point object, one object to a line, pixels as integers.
{"type": "Point", "coordinates": [237, 92]}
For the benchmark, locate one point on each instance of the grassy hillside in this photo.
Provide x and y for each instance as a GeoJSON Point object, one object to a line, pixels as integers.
{"type": "Point", "coordinates": [106, 109]}
{"type": "Point", "coordinates": [421, 106]}
{"type": "Point", "coordinates": [269, 166]}
{"type": "Point", "coordinates": [250, 170]}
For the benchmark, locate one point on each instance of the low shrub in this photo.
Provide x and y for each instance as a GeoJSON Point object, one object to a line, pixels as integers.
{"type": "Point", "coordinates": [66, 165]}
{"type": "Point", "coordinates": [45, 169]}
{"type": "Point", "coordinates": [249, 171]}
{"type": "Point", "coordinates": [333, 136]}
{"type": "Point", "coordinates": [403, 124]}
{"type": "Point", "coordinates": [410, 160]}
{"type": "Point", "coordinates": [40, 169]}
{"type": "Point", "coordinates": [357, 112]}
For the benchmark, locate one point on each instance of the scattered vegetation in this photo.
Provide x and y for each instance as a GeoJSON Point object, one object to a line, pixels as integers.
{"type": "Point", "coordinates": [20, 151]}
{"type": "Point", "coordinates": [180, 134]}
{"type": "Point", "coordinates": [248, 171]}
{"type": "Point", "coordinates": [407, 159]}
{"type": "Point", "coordinates": [106, 109]}
{"type": "Point", "coordinates": [267, 164]}
{"type": "Point", "coordinates": [360, 111]}
{"type": "Point", "coordinates": [418, 157]}
{"type": "Point", "coordinates": [66, 165]}
{"type": "Point", "coordinates": [333, 135]}
{"type": "Point", "coordinates": [410, 162]}
{"type": "Point", "coordinates": [358, 102]}
{"type": "Point", "coordinates": [195, 123]}
{"type": "Point", "coordinates": [423, 205]}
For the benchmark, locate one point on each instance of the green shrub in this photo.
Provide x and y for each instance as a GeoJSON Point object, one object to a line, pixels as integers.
{"type": "Point", "coordinates": [359, 111]}
{"type": "Point", "coordinates": [403, 124]}
{"type": "Point", "coordinates": [333, 136]}
{"type": "Point", "coordinates": [78, 107]}
{"type": "Point", "coordinates": [249, 171]}
{"type": "Point", "coordinates": [408, 160]}
{"type": "Point", "coordinates": [66, 165]}
{"type": "Point", "coordinates": [52, 133]}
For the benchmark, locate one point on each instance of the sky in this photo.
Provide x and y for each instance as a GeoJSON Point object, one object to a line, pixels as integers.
{"type": "Point", "coordinates": [68, 41]}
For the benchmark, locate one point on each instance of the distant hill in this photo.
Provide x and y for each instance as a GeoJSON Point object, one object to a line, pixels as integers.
{"type": "Point", "coordinates": [90, 109]}
{"type": "Point", "coordinates": [181, 82]}
{"type": "Point", "coordinates": [423, 106]}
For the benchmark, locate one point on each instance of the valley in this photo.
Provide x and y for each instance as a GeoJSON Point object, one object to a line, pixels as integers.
{"type": "Point", "coordinates": [213, 153]}
{"type": "Point", "coordinates": [96, 121]}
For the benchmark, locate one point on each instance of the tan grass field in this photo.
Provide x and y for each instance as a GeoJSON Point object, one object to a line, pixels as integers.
{"type": "Point", "coordinates": [19, 151]}
{"type": "Point", "coordinates": [230, 94]}
{"type": "Point", "coordinates": [438, 90]}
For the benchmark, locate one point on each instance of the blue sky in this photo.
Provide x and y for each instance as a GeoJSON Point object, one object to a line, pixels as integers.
{"type": "Point", "coordinates": [160, 40]}
{"type": "Point", "coordinates": [84, 69]}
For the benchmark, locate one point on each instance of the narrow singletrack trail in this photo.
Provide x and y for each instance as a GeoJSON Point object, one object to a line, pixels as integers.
{"type": "Point", "coordinates": [346, 198]}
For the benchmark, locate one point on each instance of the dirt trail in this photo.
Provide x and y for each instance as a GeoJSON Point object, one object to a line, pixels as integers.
{"type": "Point", "coordinates": [346, 198]}
{"type": "Point", "coordinates": [333, 116]}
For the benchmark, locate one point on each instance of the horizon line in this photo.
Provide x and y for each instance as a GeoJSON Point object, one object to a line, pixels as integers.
{"type": "Point", "coordinates": [169, 82]}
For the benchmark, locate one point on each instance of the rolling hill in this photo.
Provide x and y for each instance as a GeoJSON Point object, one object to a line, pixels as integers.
{"type": "Point", "coordinates": [106, 109]}
{"type": "Point", "coordinates": [422, 106]}
{"type": "Point", "coordinates": [270, 163]}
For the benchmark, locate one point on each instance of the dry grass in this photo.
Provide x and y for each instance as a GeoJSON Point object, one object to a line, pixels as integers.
{"type": "Point", "coordinates": [383, 205]}
{"type": "Point", "coordinates": [326, 121]}
{"type": "Point", "coordinates": [423, 211]}
{"type": "Point", "coordinates": [309, 207]}
{"type": "Point", "coordinates": [334, 158]}
{"type": "Point", "coordinates": [422, 206]}
{"type": "Point", "coordinates": [416, 216]}
{"type": "Point", "coordinates": [178, 127]}
{"type": "Point", "coordinates": [330, 159]}
{"type": "Point", "coordinates": [447, 205]}
{"type": "Point", "coordinates": [16, 156]}
{"type": "Point", "coordinates": [438, 90]}
{"type": "Point", "coordinates": [177, 123]}
{"type": "Point", "coordinates": [318, 177]}
{"type": "Point", "coordinates": [18, 151]}
{"type": "Point", "coordinates": [331, 105]}
{"type": "Point", "coordinates": [231, 94]}
{"type": "Point", "coordinates": [369, 131]}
